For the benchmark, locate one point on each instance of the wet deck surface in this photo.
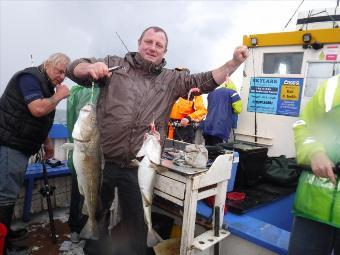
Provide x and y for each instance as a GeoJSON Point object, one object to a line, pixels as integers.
{"type": "Point", "coordinates": [39, 239]}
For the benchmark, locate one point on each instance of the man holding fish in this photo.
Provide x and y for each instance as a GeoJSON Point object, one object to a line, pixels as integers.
{"type": "Point", "coordinates": [140, 92]}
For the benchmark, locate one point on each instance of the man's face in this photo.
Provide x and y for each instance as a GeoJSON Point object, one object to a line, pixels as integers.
{"type": "Point", "coordinates": [56, 73]}
{"type": "Point", "coordinates": [152, 46]}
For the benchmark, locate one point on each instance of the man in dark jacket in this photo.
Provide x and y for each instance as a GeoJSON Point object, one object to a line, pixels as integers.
{"type": "Point", "coordinates": [27, 109]}
{"type": "Point", "coordinates": [140, 92]}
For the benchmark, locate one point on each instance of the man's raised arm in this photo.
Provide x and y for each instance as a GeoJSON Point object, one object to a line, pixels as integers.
{"type": "Point", "coordinates": [240, 55]}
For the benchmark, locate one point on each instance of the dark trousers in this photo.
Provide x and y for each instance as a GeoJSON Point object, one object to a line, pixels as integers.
{"type": "Point", "coordinates": [185, 134]}
{"type": "Point", "coordinates": [313, 238]}
{"type": "Point", "coordinates": [129, 236]}
{"type": "Point", "coordinates": [212, 140]}
{"type": "Point", "coordinates": [76, 220]}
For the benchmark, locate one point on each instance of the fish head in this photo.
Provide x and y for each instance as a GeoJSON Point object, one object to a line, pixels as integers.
{"type": "Point", "coordinates": [86, 123]}
{"type": "Point", "coordinates": [151, 147]}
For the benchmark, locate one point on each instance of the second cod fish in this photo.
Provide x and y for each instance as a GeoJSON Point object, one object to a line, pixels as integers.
{"type": "Point", "coordinates": [87, 163]}
{"type": "Point", "coordinates": [151, 151]}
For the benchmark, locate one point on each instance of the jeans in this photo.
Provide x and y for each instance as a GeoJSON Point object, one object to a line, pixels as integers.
{"type": "Point", "coordinates": [313, 238]}
{"type": "Point", "coordinates": [128, 237]}
{"type": "Point", "coordinates": [13, 164]}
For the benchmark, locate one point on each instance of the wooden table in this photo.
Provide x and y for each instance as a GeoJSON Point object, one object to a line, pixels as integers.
{"type": "Point", "coordinates": [184, 186]}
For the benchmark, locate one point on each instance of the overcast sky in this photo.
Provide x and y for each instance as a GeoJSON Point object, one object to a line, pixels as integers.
{"type": "Point", "coordinates": [202, 34]}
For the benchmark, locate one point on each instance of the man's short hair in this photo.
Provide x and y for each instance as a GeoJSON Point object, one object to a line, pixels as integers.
{"type": "Point", "coordinates": [57, 58]}
{"type": "Point", "coordinates": [156, 29]}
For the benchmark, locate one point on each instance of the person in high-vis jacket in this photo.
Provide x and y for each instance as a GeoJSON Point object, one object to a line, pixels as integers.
{"type": "Point", "coordinates": [222, 104]}
{"type": "Point", "coordinates": [317, 136]}
{"type": "Point", "coordinates": [229, 84]}
{"type": "Point", "coordinates": [186, 114]}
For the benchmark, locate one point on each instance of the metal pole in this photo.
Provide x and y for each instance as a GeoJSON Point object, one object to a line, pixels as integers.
{"type": "Point", "coordinates": [217, 229]}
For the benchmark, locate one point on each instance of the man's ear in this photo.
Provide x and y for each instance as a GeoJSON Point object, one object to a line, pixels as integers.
{"type": "Point", "coordinates": [139, 42]}
{"type": "Point", "coordinates": [165, 50]}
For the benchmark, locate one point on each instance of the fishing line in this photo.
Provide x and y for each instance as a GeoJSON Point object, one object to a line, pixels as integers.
{"type": "Point", "coordinates": [92, 92]}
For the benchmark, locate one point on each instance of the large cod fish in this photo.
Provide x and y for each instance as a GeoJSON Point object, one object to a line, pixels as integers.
{"type": "Point", "coordinates": [87, 158]}
{"type": "Point", "coordinates": [151, 151]}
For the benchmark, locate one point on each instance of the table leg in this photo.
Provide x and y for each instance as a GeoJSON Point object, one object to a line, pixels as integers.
{"type": "Point", "coordinates": [189, 219]}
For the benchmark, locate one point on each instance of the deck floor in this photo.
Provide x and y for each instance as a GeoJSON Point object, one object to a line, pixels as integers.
{"type": "Point", "coordinates": [39, 239]}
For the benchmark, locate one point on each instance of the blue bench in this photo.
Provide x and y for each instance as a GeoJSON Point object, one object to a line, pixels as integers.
{"type": "Point", "coordinates": [34, 171]}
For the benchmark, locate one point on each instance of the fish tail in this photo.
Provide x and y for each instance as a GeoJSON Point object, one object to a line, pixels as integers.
{"type": "Point", "coordinates": [90, 231]}
{"type": "Point", "coordinates": [153, 238]}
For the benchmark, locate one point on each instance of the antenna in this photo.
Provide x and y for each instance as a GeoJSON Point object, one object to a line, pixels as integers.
{"type": "Point", "coordinates": [32, 62]}
{"type": "Point", "coordinates": [122, 42]}
{"type": "Point", "coordinates": [293, 15]}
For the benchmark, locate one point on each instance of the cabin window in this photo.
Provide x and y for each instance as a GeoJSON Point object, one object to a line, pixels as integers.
{"type": "Point", "coordinates": [282, 63]}
{"type": "Point", "coordinates": [317, 72]}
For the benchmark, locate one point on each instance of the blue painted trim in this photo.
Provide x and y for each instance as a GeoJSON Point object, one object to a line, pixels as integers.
{"type": "Point", "coordinates": [58, 131]}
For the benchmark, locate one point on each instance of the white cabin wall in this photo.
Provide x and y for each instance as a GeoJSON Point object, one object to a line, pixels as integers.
{"type": "Point", "coordinates": [273, 130]}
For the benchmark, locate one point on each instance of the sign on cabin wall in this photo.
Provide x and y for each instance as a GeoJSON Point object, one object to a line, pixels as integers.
{"type": "Point", "coordinates": [330, 52]}
{"type": "Point", "coordinates": [280, 96]}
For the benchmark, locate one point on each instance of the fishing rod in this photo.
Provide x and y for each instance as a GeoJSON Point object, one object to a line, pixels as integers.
{"type": "Point", "coordinates": [32, 62]}
{"type": "Point", "coordinates": [116, 68]}
{"type": "Point", "coordinates": [121, 40]}
{"type": "Point", "coordinates": [47, 191]}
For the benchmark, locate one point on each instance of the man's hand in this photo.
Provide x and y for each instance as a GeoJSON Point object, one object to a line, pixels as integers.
{"type": "Point", "coordinates": [61, 92]}
{"type": "Point", "coordinates": [322, 166]}
{"type": "Point", "coordinates": [240, 54]}
{"type": "Point", "coordinates": [48, 149]}
{"type": "Point", "coordinates": [98, 70]}
{"type": "Point", "coordinates": [184, 122]}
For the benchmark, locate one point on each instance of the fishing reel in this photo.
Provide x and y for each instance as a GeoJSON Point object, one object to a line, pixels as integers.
{"type": "Point", "coordinates": [47, 190]}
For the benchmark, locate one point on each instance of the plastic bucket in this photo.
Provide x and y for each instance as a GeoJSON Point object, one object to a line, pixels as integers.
{"type": "Point", "coordinates": [3, 233]}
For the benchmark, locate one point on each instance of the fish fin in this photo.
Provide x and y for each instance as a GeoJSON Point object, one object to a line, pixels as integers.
{"type": "Point", "coordinates": [134, 162]}
{"type": "Point", "coordinates": [68, 146]}
{"type": "Point", "coordinates": [90, 231]}
{"type": "Point", "coordinates": [153, 238]}
{"type": "Point", "coordinates": [142, 151]}
{"type": "Point", "coordinates": [84, 210]}
{"type": "Point", "coordinates": [80, 188]}
{"type": "Point", "coordinates": [147, 201]}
